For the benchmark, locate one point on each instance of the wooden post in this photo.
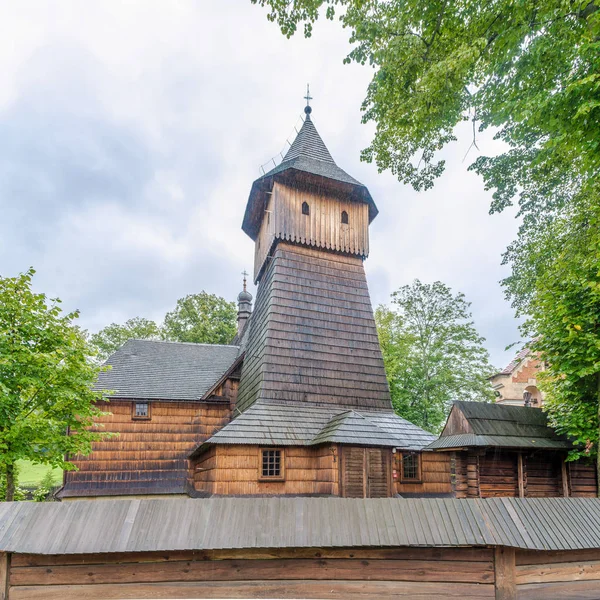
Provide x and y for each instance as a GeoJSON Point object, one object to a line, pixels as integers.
{"type": "Point", "coordinates": [4, 575]}
{"type": "Point", "coordinates": [505, 581]}
{"type": "Point", "coordinates": [565, 478]}
{"type": "Point", "coordinates": [520, 474]}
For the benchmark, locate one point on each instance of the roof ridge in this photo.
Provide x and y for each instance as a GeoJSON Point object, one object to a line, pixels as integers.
{"type": "Point", "coordinates": [181, 343]}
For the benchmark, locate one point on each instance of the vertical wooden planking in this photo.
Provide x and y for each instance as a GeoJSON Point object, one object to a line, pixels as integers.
{"type": "Point", "coordinates": [4, 575]}
{"type": "Point", "coordinates": [564, 478]}
{"type": "Point", "coordinates": [505, 573]}
{"type": "Point", "coordinates": [520, 475]}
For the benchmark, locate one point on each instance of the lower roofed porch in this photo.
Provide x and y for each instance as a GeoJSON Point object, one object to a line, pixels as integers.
{"type": "Point", "coordinates": [349, 471]}
{"type": "Point", "coordinates": [283, 448]}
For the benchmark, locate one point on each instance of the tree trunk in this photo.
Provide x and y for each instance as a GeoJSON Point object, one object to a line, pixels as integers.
{"type": "Point", "coordinates": [10, 483]}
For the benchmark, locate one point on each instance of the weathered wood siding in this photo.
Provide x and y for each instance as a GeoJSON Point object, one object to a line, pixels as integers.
{"type": "Point", "coordinates": [558, 575]}
{"type": "Point", "coordinates": [281, 573]}
{"type": "Point", "coordinates": [312, 336]}
{"type": "Point", "coordinates": [148, 456]}
{"type": "Point", "coordinates": [469, 573]}
{"type": "Point", "coordinates": [495, 473]}
{"type": "Point", "coordinates": [435, 475]}
{"type": "Point", "coordinates": [234, 471]}
{"type": "Point", "coordinates": [365, 472]}
{"type": "Point", "coordinates": [321, 228]}
{"type": "Point", "coordinates": [582, 479]}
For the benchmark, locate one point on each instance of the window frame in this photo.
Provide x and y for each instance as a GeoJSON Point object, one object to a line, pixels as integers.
{"type": "Point", "coordinates": [419, 477]}
{"type": "Point", "coordinates": [136, 417]}
{"type": "Point", "coordinates": [345, 214]}
{"type": "Point", "coordinates": [281, 476]}
{"type": "Point", "coordinates": [307, 205]}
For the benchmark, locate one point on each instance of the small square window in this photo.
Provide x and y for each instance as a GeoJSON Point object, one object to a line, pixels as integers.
{"type": "Point", "coordinates": [271, 466]}
{"type": "Point", "coordinates": [141, 410]}
{"type": "Point", "coordinates": [411, 467]}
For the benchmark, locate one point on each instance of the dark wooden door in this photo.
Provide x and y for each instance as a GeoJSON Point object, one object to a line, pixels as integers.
{"type": "Point", "coordinates": [365, 472]}
{"type": "Point", "coordinates": [377, 473]}
{"type": "Point", "coordinates": [353, 472]}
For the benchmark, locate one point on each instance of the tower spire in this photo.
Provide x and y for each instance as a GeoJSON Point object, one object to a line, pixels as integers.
{"type": "Point", "coordinates": [308, 98]}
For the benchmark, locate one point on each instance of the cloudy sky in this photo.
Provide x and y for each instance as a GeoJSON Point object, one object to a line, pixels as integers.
{"type": "Point", "coordinates": [130, 134]}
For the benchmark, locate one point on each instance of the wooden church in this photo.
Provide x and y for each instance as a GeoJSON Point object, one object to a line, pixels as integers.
{"type": "Point", "coordinates": [299, 403]}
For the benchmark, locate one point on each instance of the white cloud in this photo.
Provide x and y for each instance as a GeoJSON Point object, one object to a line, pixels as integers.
{"type": "Point", "coordinates": [131, 134]}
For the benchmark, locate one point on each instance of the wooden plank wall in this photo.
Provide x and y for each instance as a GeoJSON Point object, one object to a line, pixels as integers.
{"type": "Point", "coordinates": [280, 573]}
{"type": "Point", "coordinates": [321, 228]}
{"type": "Point", "coordinates": [558, 575]}
{"type": "Point", "coordinates": [494, 473]}
{"type": "Point", "coordinates": [582, 479]}
{"type": "Point", "coordinates": [148, 455]}
{"type": "Point", "coordinates": [234, 471]}
{"type": "Point", "coordinates": [498, 475]}
{"type": "Point", "coordinates": [435, 475]}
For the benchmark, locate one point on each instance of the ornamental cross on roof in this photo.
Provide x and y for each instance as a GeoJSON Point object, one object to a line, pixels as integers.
{"type": "Point", "coordinates": [308, 97]}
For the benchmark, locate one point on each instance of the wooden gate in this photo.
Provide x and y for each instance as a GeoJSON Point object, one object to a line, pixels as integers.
{"type": "Point", "coordinates": [365, 472]}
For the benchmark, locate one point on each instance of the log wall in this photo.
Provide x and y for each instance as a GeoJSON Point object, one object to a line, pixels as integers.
{"type": "Point", "coordinates": [234, 471]}
{"type": "Point", "coordinates": [282, 573]}
{"type": "Point", "coordinates": [496, 473]}
{"type": "Point", "coordinates": [435, 475]}
{"type": "Point", "coordinates": [467, 573]}
{"type": "Point", "coordinates": [147, 456]}
{"type": "Point", "coordinates": [558, 575]}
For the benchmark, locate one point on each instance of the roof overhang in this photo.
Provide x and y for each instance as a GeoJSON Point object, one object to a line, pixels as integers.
{"type": "Point", "coordinates": [262, 188]}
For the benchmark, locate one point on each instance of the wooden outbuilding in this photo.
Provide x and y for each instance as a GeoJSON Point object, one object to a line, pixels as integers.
{"type": "Point", "coordinates": [500, 450]}
{"type": "Point", "coordinates": [500, 549]}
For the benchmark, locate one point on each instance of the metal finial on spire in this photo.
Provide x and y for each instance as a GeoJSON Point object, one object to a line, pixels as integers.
{"type": "Point", "coordinates": [245, 274]}
{"type": "Point", "coordinates": [308, 98]}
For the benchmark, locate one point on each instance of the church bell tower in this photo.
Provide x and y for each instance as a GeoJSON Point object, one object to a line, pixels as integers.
{"type": "Point", "coordinates": [312, 335]}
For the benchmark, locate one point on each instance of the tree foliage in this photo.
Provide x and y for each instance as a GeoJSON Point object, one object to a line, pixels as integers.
{"type": "Point", "coordinates": [432, 352]}
{"type": "Point", "coordinates": [201, 318]}
{"type": "Point", "coordinates": [46, 378]}
{"type": "Point", "coordinates": [113, 336]}
{"type": "Point", "coordinates": [564, 308]}
{"type": "Point", "coordinates": [530, 70]}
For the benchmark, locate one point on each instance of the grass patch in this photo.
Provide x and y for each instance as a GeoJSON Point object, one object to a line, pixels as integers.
{"type": "Point", "coordinates": [30, 474]}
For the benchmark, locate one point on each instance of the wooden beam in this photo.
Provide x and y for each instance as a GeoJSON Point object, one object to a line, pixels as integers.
{"type": "Point", "coordinates": [520, 475]}
{"type": "Point", "coordinates": [4, 575]}
{"type": "Point", "coordinates": [505, 581]}
{"type": "Point", "coordinates": [565, 478]}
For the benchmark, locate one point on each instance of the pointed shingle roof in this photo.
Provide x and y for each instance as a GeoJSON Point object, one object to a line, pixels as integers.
{"type": "Point", "coordinates": [309, 154]}
{"type": "Point", "coordinates": [307, 158]}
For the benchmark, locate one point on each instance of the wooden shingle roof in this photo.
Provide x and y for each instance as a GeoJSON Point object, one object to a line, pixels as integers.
{"type": "Point", "coordinates": [165, 370]}
{"type": "Point", "coordinates": [312, 337]}
{"type": "Point", "coordinates": [110, 526]}
{"type": "Point", "coordinates": [306, 159]}
{"type": "Point", "coordinates": [277, 423]}
{"type": "Point", "coordinates": [478, 424]}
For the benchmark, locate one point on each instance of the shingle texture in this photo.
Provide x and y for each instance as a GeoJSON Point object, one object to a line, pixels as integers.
{"type": "Point", "coordinates": [308, 153]}
{"type": "Point", "coordinates": [276, 423]}
{"type": "Point", "coordinates": [83, 527]}
{"type": "Point", "coordinates": [165, 370]}
{"type": "Point", "coordinates": [312, 336]}
{"type": "Point", "coordinates": [502, 426]}
{"type": "Point", "coordinates": [307, 157]}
